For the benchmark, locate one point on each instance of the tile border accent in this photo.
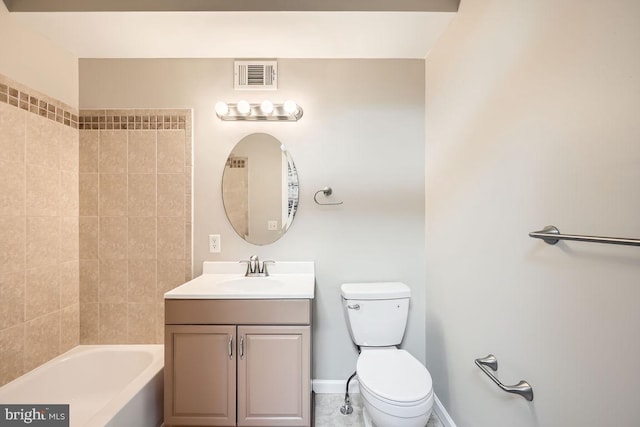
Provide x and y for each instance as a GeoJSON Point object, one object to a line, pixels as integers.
{"type": "Point", "coordinates": [25, 98]}
{"type": "Point", "coordinates": [133, 120]}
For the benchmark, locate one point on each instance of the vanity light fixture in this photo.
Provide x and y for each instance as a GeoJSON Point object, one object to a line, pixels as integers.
{"type": "Point", "coordinates": [264, 111]}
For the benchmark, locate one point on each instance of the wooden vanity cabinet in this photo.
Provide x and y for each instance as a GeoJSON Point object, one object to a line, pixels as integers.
{"type": "Point", "coordinates": [200, 377]}
{"type": "Point", "coordinates": [249, 364]}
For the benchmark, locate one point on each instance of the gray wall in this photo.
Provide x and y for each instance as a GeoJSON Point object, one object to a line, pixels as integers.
{"type": "Point", "coordinates": [532, 118]}
{"type": "Point", "coordinates": [362, 134]}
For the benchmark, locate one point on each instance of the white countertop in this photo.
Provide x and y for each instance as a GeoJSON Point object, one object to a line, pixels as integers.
{"type": "Point", "coordinates": [226, 280]}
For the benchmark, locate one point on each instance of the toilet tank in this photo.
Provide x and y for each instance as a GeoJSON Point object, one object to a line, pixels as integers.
{"type": "Point", "coordinates": [376, 312]}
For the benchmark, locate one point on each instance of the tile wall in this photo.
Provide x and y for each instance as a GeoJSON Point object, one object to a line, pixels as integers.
{"type": "Point", "coordinates": [39, 229]}
{"type": "Point", "coordinates": [135, 220]}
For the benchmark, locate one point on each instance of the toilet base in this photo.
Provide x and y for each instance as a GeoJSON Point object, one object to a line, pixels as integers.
{"type": "Point", "coordinates": [368, 422]}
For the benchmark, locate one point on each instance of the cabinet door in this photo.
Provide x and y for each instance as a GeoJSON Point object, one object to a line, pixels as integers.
{"type": "Point", "coordinates": [200, 375]}
{"type": "Point", "coordinates": [274, 376]}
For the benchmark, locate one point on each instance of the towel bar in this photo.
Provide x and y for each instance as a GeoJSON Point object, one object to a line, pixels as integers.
{"type": "Point", "coordinates": [523, 388]}
{"type": "Point", "coordinates": [551, 235]}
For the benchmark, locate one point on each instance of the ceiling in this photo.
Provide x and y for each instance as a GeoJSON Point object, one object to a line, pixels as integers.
{"type": "Point", "coordinates": [239, 29]}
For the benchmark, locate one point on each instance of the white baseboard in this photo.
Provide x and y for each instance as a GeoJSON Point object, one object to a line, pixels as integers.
{"type": "Point", "coordinates": [335, 386]}
{"type": "Point", "coordinates": [338, 387]}
{"type": "Point", "coordinates": [442, 413]}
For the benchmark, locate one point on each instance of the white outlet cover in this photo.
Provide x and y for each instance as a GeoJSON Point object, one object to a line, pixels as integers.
{"type": "Point", "coordinates": [214, 243]}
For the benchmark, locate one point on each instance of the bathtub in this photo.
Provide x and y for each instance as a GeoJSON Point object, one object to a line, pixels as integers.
{"type": "Point", "coordinates": [104, 385]}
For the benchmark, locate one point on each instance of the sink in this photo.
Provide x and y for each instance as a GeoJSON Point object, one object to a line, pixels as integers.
{"type": "Point", "coordinates": [226, 280]}
{"type": "Point", "coordinates": [251, 284]}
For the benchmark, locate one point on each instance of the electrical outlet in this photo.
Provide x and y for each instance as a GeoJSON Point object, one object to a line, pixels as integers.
{"type": "Point", "coordinates": [214, 243]}
{"type": "Point", "coordinates": [272, 225]}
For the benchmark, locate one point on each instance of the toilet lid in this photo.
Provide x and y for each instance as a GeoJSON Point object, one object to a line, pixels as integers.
{"type": "Point", "coordinates": [394, 375]}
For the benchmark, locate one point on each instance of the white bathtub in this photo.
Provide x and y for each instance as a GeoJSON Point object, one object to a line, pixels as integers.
{"type": "Point", "coordinates": [104, 385]}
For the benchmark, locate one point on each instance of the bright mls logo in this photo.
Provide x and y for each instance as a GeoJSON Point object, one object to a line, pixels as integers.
{"type": "Point", "coordinates": [34, 415]}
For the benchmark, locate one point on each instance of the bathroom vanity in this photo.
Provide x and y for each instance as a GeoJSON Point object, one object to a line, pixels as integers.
{"type": "Point", "coordinates": [238, 349]}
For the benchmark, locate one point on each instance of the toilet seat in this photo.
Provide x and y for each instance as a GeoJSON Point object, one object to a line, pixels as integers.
{"type": "Point", "coordinates": [394, 376]}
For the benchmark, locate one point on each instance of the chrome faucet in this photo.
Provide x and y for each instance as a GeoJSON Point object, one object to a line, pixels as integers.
{"type": "Point", "coordinates": [254, 264]}
{"type": "Point", "coordinates": [255, 269]}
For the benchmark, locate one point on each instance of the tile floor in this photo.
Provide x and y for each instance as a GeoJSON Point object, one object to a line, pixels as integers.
{"type": "Point", "coordinates": [327, 412]}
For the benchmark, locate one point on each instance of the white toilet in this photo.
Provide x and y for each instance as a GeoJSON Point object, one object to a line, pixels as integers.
{"type": "Point", "coordinates": [396, 388]}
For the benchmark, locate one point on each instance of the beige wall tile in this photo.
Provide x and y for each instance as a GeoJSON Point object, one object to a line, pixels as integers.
{"type": "Point", "coordinates": [42, 340]}
{"type": "Point", "coordinates": [43, 191]}
{"type": "Point", "coordinates": [69, 238]}
{"type": "Point", "coordinates": [43, 142]}
{"type": "Point", "coordinates": [188, 246]}
{"type": "Point", "coordinates": [142, 194]}
{"type": "Point", "coordinates": [12, 360]}
{"type": "Point", "coordinates": [171, 197]}
{"type": "Point", "coordinates": [170, 275]}
{"type": "Point", "coordinates": [171, 238]}
{"type": "Point", "coordinates": [187, 207]}
{"type": "Point", "coordinates": [89, 281]}
{"type": "Point", "coordinates": [90, 323]}
{"type": "Point", "coordinates": [69, 283]}
{"type": "Point", "coordinates": [42, 293]}
{"type": "Point", "coordinates": [142, 256]}
{"type": "Point", "coordinates": [12, 188]}
{"type": "Point", "coordinates": [88, 237]}
{"type": "Point", "coordinates": [113, 281]}
{"type": "Point", "coordinates": [171, 151]}
{"type": "Point", "coordinates": [113, 194]}
{"type": "Point", "coordinates": [142, 238]}
{"type": "Point", "coordinates": [43, 241]}
{"type": "Point", "coordinates": [69, 154]}
{"type": "Point", "coordinates": [12, 298]}
{"type": "Point", "coordinates": [13, 244]}
{"type": "Point", "coordinates": [88, 151]}
{"type": "Point", "coordinates": [160, 323]}
{"type": "Point", "coordinates": [69, 327]}
{"type": "Point", "coordinates": [142, 281]}
{"type": "Point", "coordinates": [188, 151]}
{"type": "Point", "coordinates": [113, 237]}
{"type": "Point", "coordinates": [113, 151]}
{"type": "Point", "coordinates": [141, 328]}
{"type": "Point", "coordinates": [69, 194]}
{"type": "Point", "coordinates": [142, 151]}
{"type": "Point", "coordinates": [89, 191]}
{"type": "Point", "coordinates": [13, 126]}
{"type": "Point", "coordinates": [188, 185]}
{"type": "Point", "coordinates": [113, 323]}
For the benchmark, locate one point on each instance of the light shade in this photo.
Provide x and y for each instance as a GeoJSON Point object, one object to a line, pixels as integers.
{"type": "Point", "coordinates": [221, 108]}
{"type": "Point", "coordinates": [290, 107]}
{"type": "Point", "coordinates": [266, 107]}
{"type": "Point", "coordinates": [243, 107]}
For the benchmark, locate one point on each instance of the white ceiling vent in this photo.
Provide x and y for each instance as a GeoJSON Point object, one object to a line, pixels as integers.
{"type": "Point", "coordinates": [255, 75]}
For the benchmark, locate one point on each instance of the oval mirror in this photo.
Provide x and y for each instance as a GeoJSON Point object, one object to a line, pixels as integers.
{"type": "Point", "coordinates": [260, 189]}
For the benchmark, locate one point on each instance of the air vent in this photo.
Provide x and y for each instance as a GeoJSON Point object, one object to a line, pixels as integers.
{"type": "Point", "coordinates": [255, 75]}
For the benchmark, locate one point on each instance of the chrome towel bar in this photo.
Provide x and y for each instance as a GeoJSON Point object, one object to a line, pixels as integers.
{"type": "Point", "coordinates": [551, 235]}
{"type": "Point", "coordinates": [523, 388]}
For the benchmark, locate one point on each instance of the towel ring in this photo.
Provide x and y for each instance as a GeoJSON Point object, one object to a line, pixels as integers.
{"type": "Point", "coordinates": [327, 192]}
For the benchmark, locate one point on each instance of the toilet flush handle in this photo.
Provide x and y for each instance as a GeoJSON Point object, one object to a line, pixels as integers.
{"type": "Point", "coordinates": [353, 306]}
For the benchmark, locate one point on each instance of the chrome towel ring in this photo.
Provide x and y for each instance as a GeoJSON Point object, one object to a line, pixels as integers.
{"type": "Point", "coordinates": [327, 192]}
